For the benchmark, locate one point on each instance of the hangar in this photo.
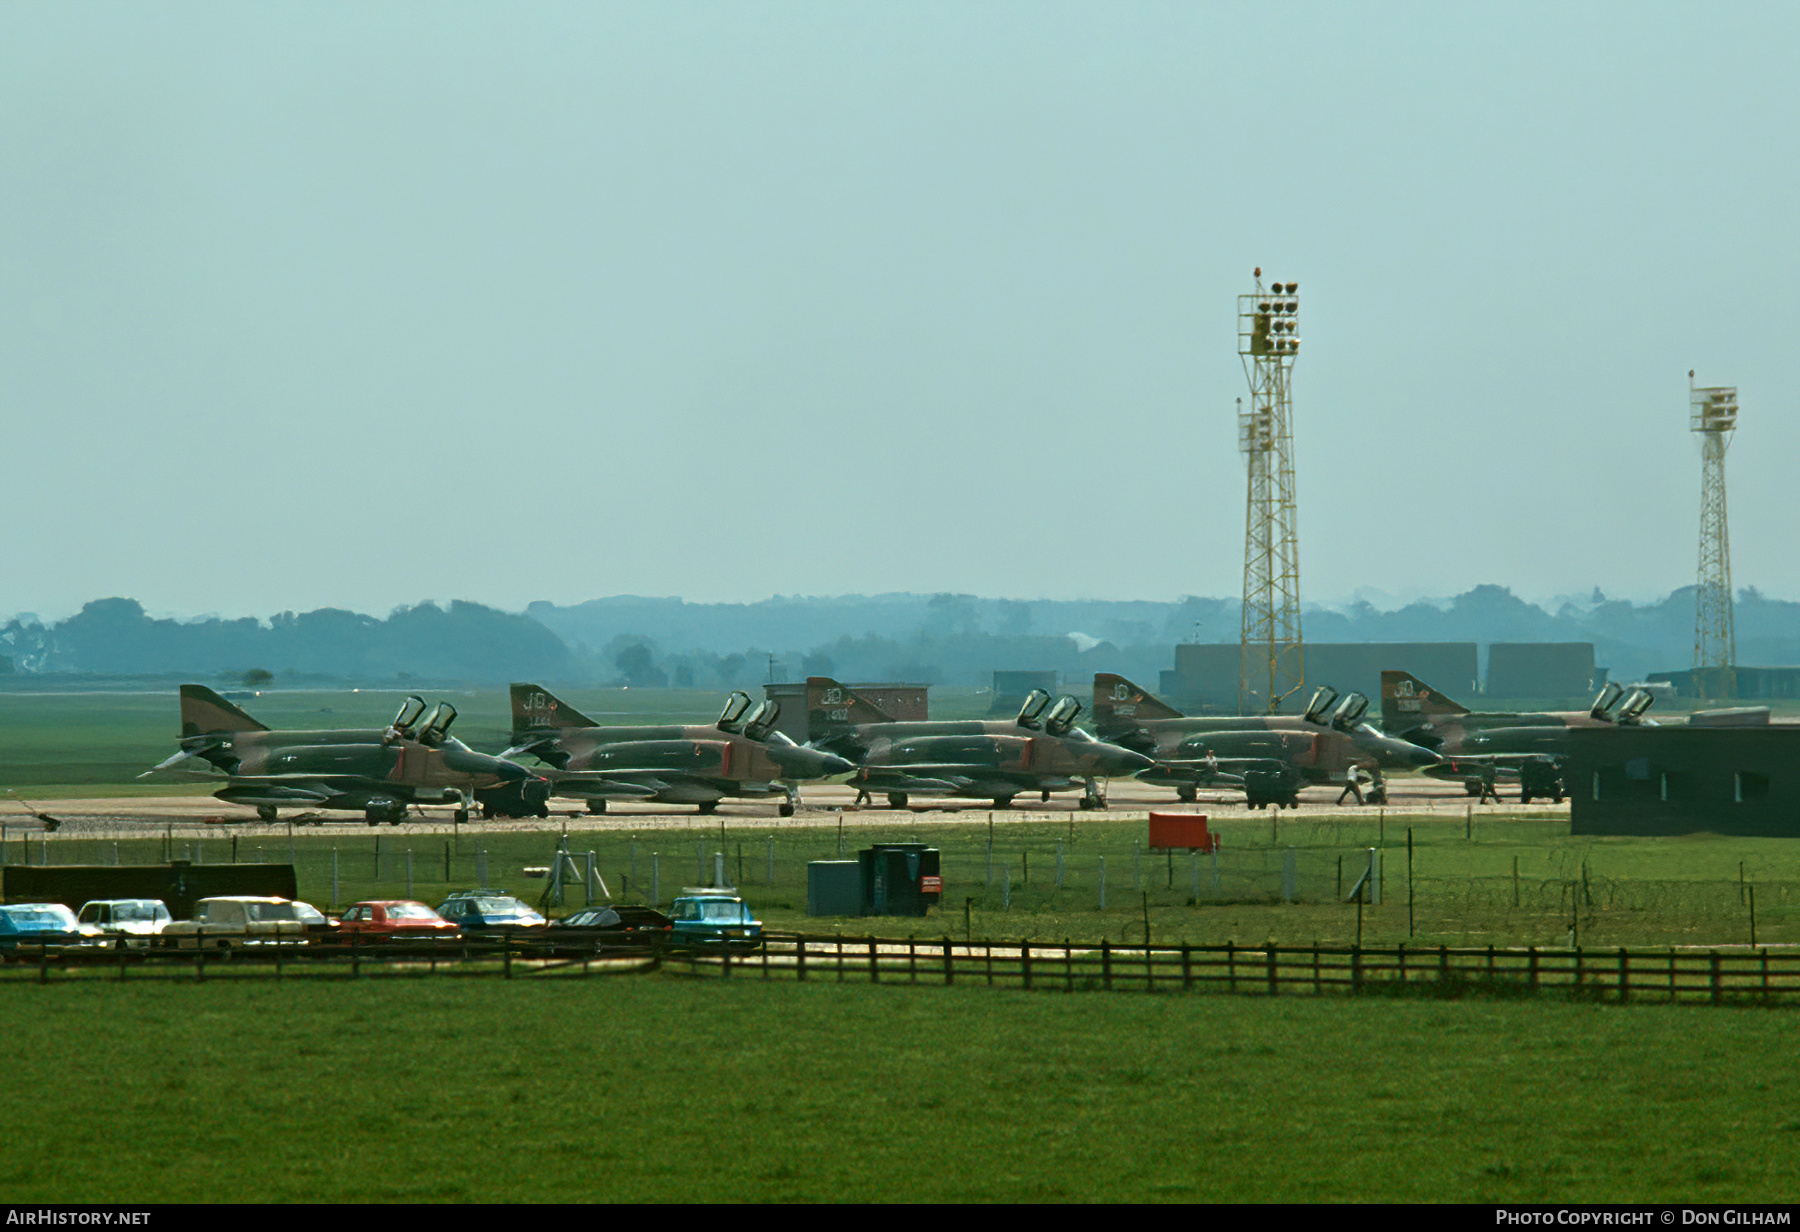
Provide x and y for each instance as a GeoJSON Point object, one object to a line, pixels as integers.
{"type": "Point", "coordinates": [1740, 780]}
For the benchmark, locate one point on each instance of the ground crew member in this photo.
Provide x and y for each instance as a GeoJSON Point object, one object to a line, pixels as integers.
{"type": "Point", "coordinates": [1353, 782]}
{"type": "Point", "coordinates": [1488, 790]}
{"type": "Point", "coordinates": [1377, 786]}
{"type": "Point", "coordinates": [862, 791]}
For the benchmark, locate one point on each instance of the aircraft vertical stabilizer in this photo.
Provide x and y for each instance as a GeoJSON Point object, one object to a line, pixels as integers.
{"type": "Point", "coordinates": [1407, 701]}
{"type": "Point", "coordinates": [831, 706]}
{"type": "Point", "coordinates": [204, 711]}
{"type": "Point", "coordinates": [535, 707]}
{"type": "Point", "coordinates": [1119, 703]}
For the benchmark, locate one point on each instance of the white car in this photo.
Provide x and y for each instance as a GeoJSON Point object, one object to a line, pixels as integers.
{"type": "Point", "coordinates": [220, 923]}
{"type": "Point", "coordinates": [123, 921]}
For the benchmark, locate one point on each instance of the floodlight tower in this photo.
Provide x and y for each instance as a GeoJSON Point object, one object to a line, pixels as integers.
{"type": "Point", "coordinates": [1271, 658]}
{"type": "Point", "coordinates": [1712, 412]}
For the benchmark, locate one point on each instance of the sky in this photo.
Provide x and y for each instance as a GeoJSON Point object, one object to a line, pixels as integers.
{"type": "Point", "coordinates": [358, 305]}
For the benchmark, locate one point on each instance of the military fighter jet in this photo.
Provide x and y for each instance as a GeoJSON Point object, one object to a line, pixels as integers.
{"type": "Point", "coordinates": [414, 760]}
{"type": "Point", "coordinates": [1278, 754]}
{"type": "Point", "coordinates": [742, 755]}
{"type": "Point", "coordinates": [1042, 750]}
{"type": "Point", "coordinates": [1531, 747]}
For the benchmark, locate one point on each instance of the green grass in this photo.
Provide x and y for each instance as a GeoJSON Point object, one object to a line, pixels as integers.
{"type": "Point", "coordinates": [664, 1088]}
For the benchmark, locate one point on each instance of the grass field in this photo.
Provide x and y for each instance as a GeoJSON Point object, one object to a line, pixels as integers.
{"type": "Point", "coordinates": [662, 1088]}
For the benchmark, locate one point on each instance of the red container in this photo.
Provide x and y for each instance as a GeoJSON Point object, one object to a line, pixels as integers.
{"type": "Point", "coordinates": [1181, 830]}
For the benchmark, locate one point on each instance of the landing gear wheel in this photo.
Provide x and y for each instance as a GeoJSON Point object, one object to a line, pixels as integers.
{"type": "Point", "coordinates": [785, 810]}
{"type": "Point", "coordinates": [896, 799]}
{"type": "Point", "coordinates": [1092, 802]}
{"type": "Point", "coordinates": [266, 812]}
{"type": "Point", "coordinates": [486, 813]}
{"type": "Point", "coordinates": [542, 810]}
{"type": "Point", "coordinates": [462, 815]}
{"type": "Point", "coordinates": [1187, 795]}
{"type": "Point", "coordinates": [1043, 797]}
{"type": "Point", "coordinates": [710, 806]}
{"type": "Point", "coordinates": [596, 807]}
{"type": "Point", "coordinates": [1004, 803]}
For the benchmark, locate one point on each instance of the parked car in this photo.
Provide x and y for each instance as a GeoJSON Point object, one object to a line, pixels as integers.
{"type": "Point", "coordinates": [601, 928]}
{"type": "Point", "coordinates": [473, 910]}
{"type": "Point", "coordinates": [232, 920]}
{"type": "Point", "coordinates": [31, 926]}
{"type": "Point", "coordinates": [393, 918]}
{"type": "Point", "coordinates": [123, 921]}
{"type": "Point", "coordinates": [713, 919]}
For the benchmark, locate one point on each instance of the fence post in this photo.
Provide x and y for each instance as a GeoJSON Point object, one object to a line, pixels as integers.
{"type": "Point", "coordinates": [506, 959]}
{"type": "Point", "coordinates": [334, 875]}
{"type": "Point", "coordinates": [1187, 969]}
{"type": "Point", "coordinates": [1231, 966]}
{"type": "Point", "coordinates": [1103, 891]}
{"type": "Point", "coordinates": [874, 969]}
{"type": "Point", "coordinates": [655, 879]}
{"type": "Point", "coordinates": [1006, 887]}
{"type": "Point", "coordinates": [1025, 965]}
{"type": "Point", "coordinates": [1059, 866]}
{"type": "Point", "coordinates": [481, 877]}
{"type": "Point", "coordinates": [771, 880]}
{"type": "Point", "coordinates": [1269, 953]}
{"type": "Point", "coordinates": [1137, 865]}
{"type": "Point", "coordinates": [1290, 875]}
{"type": "Point", "coordinates": [1718, 991]}
{"type": "Point", "coordinates": [1105, 965]}
{"type": "Point", "coordinates": [800, 958]}
{"type": "Point", "coordinates": [1356, 968]}
{"type": "Point", "coordinates": [409, 873]}
{"type": "Point", "coordinates": [1624, 977]}
{"type": "Point", "coordinates": [949, 973]}
{"type": "Point", "coordinates": [1533, 967]}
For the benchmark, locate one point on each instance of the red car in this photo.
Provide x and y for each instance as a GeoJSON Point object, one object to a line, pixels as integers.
{"type": "Point", "coordinates": [394, 918]}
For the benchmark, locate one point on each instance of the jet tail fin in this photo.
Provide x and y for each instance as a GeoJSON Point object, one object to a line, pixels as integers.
{"type": "Point", "coordinates": [831, 706]}
{"type": "Point", "coordinates": [1119, 704]}
{"type": "Point", "coordinates": [204, 711]}
{"type": "Point", "coordinates": [535, 708]}
{"type": "Point", "coordinates": [1407, 702]}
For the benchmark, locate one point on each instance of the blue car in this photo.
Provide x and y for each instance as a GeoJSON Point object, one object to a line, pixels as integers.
{"type": "Point", "coordinates": [713, 919]}
{"type": "Point", "coordinates": [37, 924]}
{"type": "Point", "coordinates": [471, 910]}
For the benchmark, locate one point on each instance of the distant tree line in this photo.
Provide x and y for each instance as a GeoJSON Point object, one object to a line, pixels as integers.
{"type": "Point", "coordinates": [930, 639]}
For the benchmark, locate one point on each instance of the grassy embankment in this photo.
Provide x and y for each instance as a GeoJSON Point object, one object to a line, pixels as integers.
{"type": "Point", "coordinates": [661, 1088]}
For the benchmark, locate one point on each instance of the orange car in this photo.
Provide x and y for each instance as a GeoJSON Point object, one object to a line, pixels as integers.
{"type": "Point", "coordinates": [394, 918]}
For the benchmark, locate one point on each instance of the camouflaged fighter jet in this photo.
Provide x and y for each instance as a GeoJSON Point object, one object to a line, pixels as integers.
{"type": "Point", "coordinates": [1042, 750]}
{"type": "Point", "coordinates": [741, 755]}
{"type": "Point", "coordinates": [1272, 756]}
{"type": "Point", "coordinates": [414, 760]}
{"type": "Point", "coordinates": [1529, 747]}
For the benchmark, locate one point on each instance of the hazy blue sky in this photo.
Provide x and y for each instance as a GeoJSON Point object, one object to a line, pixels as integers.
{"type": "Point", "coordinates": [363, 304]}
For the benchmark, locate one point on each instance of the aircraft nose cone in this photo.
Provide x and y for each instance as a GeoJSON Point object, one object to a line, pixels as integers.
{"type": "Point", "coordinates": [480, 763]}
{"type": "Point", "coordinates": [1416, 756]}
{"type": "Point", "coordinates": [810, 763]}
{"type": "Point", "coordinates": [1123, 762]}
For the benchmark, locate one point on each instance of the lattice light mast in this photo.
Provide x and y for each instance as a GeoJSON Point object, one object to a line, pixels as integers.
{"type": "Point", "coordinates": [1712, 413]}
{"type": "Point", "coordinates": [1271, 658]}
